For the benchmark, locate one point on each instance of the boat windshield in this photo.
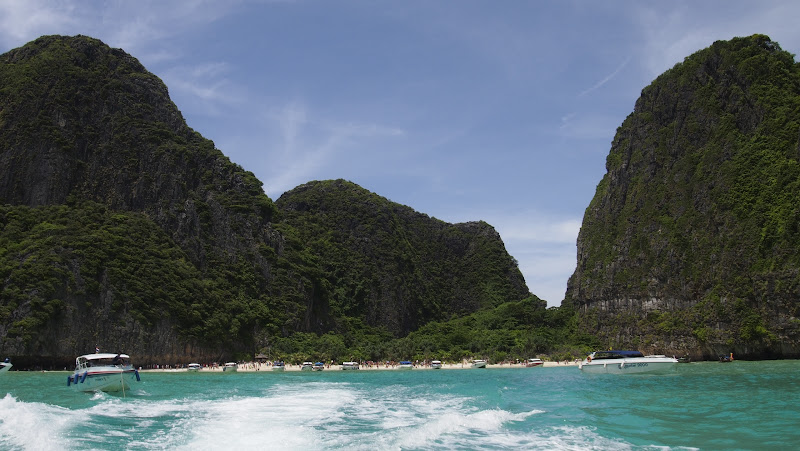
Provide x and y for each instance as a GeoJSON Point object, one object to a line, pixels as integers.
{"type": "Point", "coordinates": [107, 360]}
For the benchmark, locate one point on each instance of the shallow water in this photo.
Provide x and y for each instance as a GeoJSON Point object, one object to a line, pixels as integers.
{"type": "Point", "coordinates": [738, 405]}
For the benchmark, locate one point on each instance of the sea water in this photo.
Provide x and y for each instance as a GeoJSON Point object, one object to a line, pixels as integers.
{"type": "Point", "coordinates": [737, 405]}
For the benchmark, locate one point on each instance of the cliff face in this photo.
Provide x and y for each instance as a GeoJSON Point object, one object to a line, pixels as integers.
{"type": "Point", "coordinates": [122, 227]}
{"type": "Point", "coordinates": [396, 267]}
{"type": "Point", "coordinates": [80, 121]}
{"type": "Point", "coordinates": [690, 242]}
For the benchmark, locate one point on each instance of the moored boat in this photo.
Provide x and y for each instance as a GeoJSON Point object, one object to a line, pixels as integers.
{"type": "Point", "coordinates": [626, 362]}
{"type": "Point", "coordinates": [193, 367]}
{"type": "Point", "coordinates": [349, 365]}
{"type": "Point", "coordinates": [436, 364]}
{"type": "Point", "coordinates": [318, 366]}
{"type": "Point", "coordinates": [103, 372]}
{"type": "Point", "coordinates": [405, 365]}
{"type": "Point", "coordinates": [5, 365]}
{"type": "Point", "coordinates": [230, 367]}
{"type": "Point", "coordinates": [530, 363]}
{"type": "Point", "coordinates": [479, 363]}
{"type": "Point", "coordinates": [278, 366]}
{"type": "Point", "coordinates": [306, 366]}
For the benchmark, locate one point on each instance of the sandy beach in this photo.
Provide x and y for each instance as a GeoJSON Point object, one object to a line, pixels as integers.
{"type": "Point", "coordinates": [254, 366]}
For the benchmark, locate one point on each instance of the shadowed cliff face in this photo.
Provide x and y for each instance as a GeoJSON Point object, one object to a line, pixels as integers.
{"type": "Point", "coordinates": [396, 267]}
{"type": "Point", "coordinates": [689, 245]}
{"type": "Point", "coordinates": [122, 227]}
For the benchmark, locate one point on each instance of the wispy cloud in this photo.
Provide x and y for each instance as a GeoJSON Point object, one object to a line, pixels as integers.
{"type": "Point", "coordinates": [310, 147]}
{"type": "Point", "coordinates": [671, 34]}
{"type": "Point", "coordinates": [546, 248]}
{"type": "Point", "coordinates": [141, 28]}
{"type": "Point", "coordinates": [543, 243]}
{"type": "Point", "coordinates": [205, 87]}
{"type": "Point", "coordinates": [608, 78]}
{"type": "Point", "coordinates": [24, 20]}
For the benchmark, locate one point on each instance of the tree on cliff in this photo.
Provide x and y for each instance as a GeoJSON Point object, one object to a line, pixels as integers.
{"type": "Point", "coordinates": [690, 242]}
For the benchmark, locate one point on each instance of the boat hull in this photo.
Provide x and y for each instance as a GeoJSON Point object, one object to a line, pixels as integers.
{"type": "Point", "coordinates": [630, 366]}
{"type": "Point", "coordinates": [5, 366]}
{"type": "Point", "coordinates": [106, 381]}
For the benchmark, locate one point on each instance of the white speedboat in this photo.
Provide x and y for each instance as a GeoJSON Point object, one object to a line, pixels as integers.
{"type": "Point", "coordinates": [534, 363]}
{"type": "Point", "coordinates": [103, 372]}
{"type": "Point", "coordinates": [306, 366]}
{"type": "Point", "coordinates": [436, 364]}
{"type": "Point", "coordinates": [193, 367]}
{"type": "Point", "coordinates": [230, 367]}
{"type": "Point", "coordinates": [5, 365]}
{"type": "Point", "coordinates": [627, 362]}
{"type": "Point", "coordinates": [318, 366]}
{"type": "Point", "coordinates": [405, 365]}
{"type": "Point", "coordinates": [278, 366]}
{"type": "Point", "coordinates": [349, 365]}
{"type": "Point", "coordinates": [479, 363]}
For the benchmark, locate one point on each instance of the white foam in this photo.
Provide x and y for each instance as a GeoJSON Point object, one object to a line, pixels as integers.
{"type": "Point", "coordinates": [289, 416]}
{"type": "Point", "coordinates": [32, 425]}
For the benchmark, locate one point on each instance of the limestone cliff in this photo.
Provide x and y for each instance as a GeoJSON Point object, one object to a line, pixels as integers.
{"type": "Point", "coordinates": [690, 244]}
{"type": "Point", "coordinates": [122, 227]}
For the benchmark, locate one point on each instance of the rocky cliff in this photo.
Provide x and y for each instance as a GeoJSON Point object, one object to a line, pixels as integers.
{"type": "Point", "coordinates": [394, 266]}
{"type": "Point", "coordinates": [122, 227]}
{"type": "Point", "coordinates": [690, 244]}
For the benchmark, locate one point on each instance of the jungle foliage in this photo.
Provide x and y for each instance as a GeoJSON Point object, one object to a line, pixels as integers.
{"type": "Point", "coordinates": [119, 224]}
{"type": "Point", "coordinates": [700, 206]}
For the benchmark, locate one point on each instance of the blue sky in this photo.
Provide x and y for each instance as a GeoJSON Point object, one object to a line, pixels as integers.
{"type": "Point", "coordinates": [462, 110]}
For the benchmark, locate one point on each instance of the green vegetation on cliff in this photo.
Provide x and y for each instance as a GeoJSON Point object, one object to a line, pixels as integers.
{"type": "Point", "coordinates": [122, 227]}
{"type": "Point", "coordinates": [393, 266]}
{"type": "Point", "coordinates": [697, 224]}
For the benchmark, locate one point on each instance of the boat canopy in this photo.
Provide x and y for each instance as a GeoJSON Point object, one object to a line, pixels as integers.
{"type": "Point", "coordinates": [99, 356]}
{"type": "Point", "coordinates": [616, 354]}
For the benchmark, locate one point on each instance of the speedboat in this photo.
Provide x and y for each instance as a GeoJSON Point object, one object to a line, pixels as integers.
{"type": "Point", "coordinates": [306, 366]}
{"type": "Point", "coordinates": [318, 366]}
{"type": "Point", "coordinates": [405, 365]}
{"type": "Point", "coordinates": [479, 363]}
{"type": "Point", "coordinates": [103, 372]}
{"type": "Point", "coordinates": [534, 363]}
{"type": "Point", "coordinates": [436, 364]}
{"type": "Point", "coordinates": [626, 362]}
{"type": "Point", "coordinates": [193, 367]}
{"type": "Point", "coordinates": [278, 366]}
{"type": "Point", "coordinates": [5, 365]}
{"type": "Point", "coordinates": [349, 365]}
{"type": "Point", "coordinates": [230, 367]}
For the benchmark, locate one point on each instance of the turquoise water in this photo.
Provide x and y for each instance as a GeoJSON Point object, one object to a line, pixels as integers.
{"type": "Point", "coordinates": [739, 405]}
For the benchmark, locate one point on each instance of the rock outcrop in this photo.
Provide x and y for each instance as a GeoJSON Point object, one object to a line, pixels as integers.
{"type": "Point", "coordinates": [123, 228]}
{"type": "Point", "coordinates": [690, 244]}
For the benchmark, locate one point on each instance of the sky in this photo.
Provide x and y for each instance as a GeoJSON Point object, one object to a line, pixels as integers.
{"type": "Point", "coordinates": [462, 110]}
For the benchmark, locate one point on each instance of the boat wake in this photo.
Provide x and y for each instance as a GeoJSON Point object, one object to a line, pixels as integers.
{"type": "Point", "coordinates": [321, 415]}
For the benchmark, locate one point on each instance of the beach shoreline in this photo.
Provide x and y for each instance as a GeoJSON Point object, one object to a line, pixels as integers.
{"type": "Point", "coordinates": [252, 367]}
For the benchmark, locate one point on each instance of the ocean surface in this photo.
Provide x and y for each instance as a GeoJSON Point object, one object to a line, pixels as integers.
{"type": "Point", "coordinates": [711, 405]}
